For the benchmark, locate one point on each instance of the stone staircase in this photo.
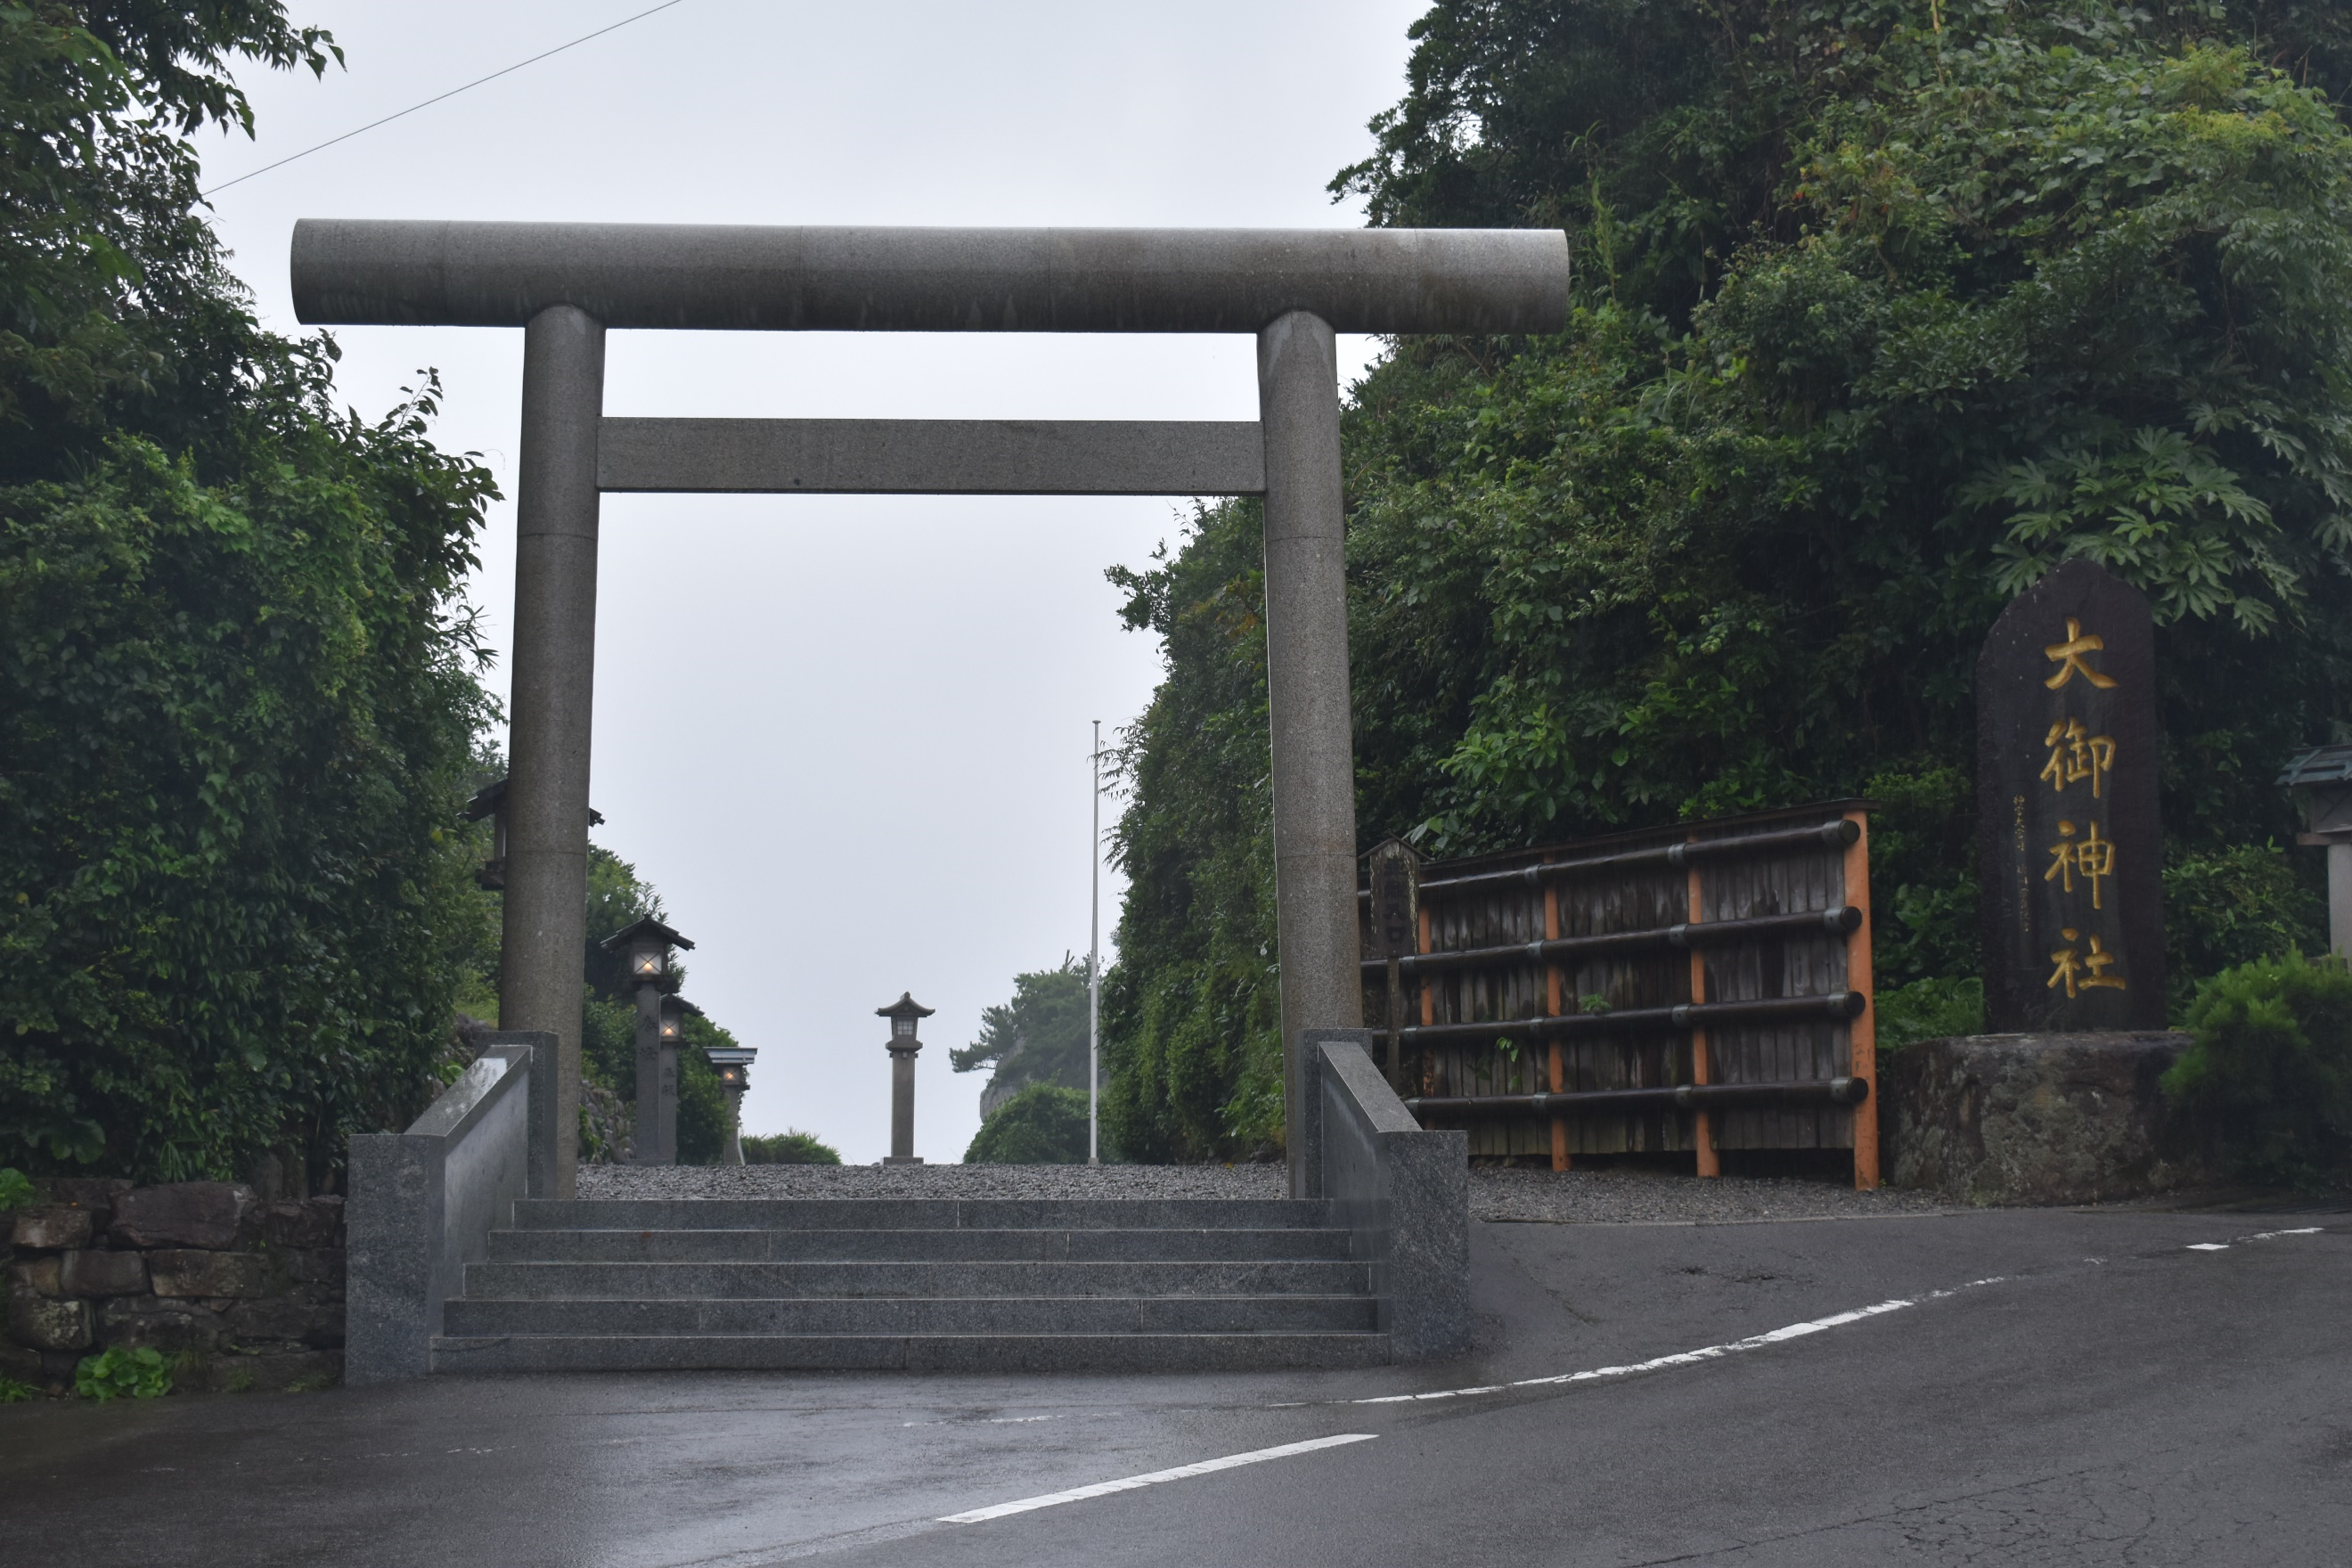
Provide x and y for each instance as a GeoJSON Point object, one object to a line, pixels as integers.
{"type": "Point", "coordinates": [979, 1285]}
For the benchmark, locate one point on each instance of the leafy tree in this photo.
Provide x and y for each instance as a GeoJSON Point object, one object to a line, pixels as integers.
{"type": "Point", "coordinates": [1881, 312]}
{"type": "Point", "coordinates": [1045, 1124]}
{"type": "Point", "coordinates": [1038, 1036]}
{"type": "Point", "coordinates": [1193, 1037]}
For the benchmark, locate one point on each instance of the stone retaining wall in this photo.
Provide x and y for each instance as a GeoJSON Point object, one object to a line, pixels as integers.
{"type": "Point", "coordinates": [248, 1292]}
{"type": "Point", "coordinates": [2038, 1119]}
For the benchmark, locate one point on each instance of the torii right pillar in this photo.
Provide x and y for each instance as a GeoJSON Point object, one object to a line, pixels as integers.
{"type": "Point", "coordinates": [1307, 698]}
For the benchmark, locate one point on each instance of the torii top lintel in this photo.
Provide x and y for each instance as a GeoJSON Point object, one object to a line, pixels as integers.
{"type": "Point", "coordinates": [713, 276]}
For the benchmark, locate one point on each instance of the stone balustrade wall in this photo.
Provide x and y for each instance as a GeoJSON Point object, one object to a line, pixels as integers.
{"type": "Point", "coordinates": [248, 1293]}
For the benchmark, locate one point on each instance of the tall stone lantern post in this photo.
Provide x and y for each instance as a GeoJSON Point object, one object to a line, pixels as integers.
{"type": "Point", "coordinates": [904, 1046]}
{"type": "Point", "coordinates": [733, 1066]}
{"type": "Point", "coordinates": [646, 945]}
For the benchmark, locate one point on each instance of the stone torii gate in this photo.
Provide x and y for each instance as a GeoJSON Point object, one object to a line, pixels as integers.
{"type": "Point", "coordinates": [566, 285]}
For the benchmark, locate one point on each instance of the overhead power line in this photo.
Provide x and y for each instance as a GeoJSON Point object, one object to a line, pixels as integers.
{"type": "Point", "coordinates": [437, 97]}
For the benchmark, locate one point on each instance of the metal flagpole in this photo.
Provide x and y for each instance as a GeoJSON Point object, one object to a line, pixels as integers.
{"type": "Point", "coordinates": [1093, 975]}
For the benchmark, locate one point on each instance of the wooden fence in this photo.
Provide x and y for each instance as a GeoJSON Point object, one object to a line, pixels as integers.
{"type": "Point", "coordinates": [1695, 989]}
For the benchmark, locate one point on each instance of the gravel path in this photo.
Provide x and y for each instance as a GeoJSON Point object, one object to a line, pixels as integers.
{"type": "Point", "coordinates": [1569, 1197]}
{"type": "Point", "coordinates": [932, 1181]}
{"type": "Point", "coordinates": [1645, 1197]}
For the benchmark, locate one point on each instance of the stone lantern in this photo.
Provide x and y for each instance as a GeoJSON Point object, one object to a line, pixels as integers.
{"type": "Point", "coordinates": [733, 1066]}
{"type": "Point", "coordinates": [904, 1045]}
{"type": "Point", "coordinates": [2322, 781]}
{"type": "Point", "coordinates": [644, 947]}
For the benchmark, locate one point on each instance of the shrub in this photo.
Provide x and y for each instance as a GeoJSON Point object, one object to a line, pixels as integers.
{"type": "Point", "coordinates": [16, 1189]}
{"type": "Point", "coordinates": [1042, 1125]}
{"type": "Point", "coordinates": [789, 1149]}
{"type": "Point", "coordinates": [1929, 1009]}
{"type": "Point", "coordinates": [2230, 907]}
{"type": "Point", "coordinates": [118, 1374]}
{"type": "Point", "coordinates": [2272, 1067]}
{"type": "Point", "coordinates": [13, 1392]}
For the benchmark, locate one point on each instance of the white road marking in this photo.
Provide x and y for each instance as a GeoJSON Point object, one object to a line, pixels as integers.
{"type": "Point", "coordinates": [2258, 1236]}
{"type": "Point", "coordinates": [1130, 1483]}
{"type": "Point", "coordinates": [1687, 1358]}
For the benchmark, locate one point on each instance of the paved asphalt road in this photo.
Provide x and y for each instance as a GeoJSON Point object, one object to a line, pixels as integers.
{"type": "Point", "coordinates": [2113, 1394]}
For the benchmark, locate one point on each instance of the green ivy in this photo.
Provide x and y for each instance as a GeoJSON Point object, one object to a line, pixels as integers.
{"type": "Point", "coordinates": [241, 703]}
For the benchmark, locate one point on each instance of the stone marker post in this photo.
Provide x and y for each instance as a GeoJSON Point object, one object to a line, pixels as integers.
{"type": "Point", "coordinates": [1395, 932]}
{"type": "Point", "coordinates": [2068, 842]}
{"type": "Point", "coordinates": [905, 1045]}
{"type": "Point", "coordinates": [651, 1148]}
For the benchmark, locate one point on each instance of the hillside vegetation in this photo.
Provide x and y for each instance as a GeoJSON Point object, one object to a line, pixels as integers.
{"type": "Point", "coordinates": [1881, 311]}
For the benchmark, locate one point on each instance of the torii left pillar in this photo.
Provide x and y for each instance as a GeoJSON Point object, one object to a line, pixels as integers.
{"type": "Point", "coordinates": [543, 946]}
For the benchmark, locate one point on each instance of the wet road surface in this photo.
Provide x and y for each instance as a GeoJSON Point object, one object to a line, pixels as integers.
{"type": "Point", "coordinates": [2002, 1387]}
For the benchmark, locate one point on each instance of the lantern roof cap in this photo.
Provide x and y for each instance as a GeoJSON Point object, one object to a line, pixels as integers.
{"type": "Point", "coordinates": [906, 1006]}
{"type": "Point", "coordinates": [2321, 764]}
{"type": "Point", "coordinates": [730, 1055]}
{"type": "Point", "coordinates": [645, 926]}
{"type": "Point", "coordinates": [491, 798]}
{"type": "Point", "coordinates": [674, 1002]}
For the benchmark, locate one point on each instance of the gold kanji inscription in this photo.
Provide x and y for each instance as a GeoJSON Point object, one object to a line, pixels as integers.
{"type": "Point", "coordinates": [2068, 656]}
{"type": "Point", "coordinates": [2077, 754]}
{"type": "Point", "coordinates": [2091, 859]}
{"type": "Point", "coordinates": [2085, 970]}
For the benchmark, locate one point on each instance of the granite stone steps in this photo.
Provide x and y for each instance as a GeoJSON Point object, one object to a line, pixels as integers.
{"type": "Point", "coordinates": [914, 1284]}
{"type": "Point", "coordinates": [920, 1315]}
{"type": "Point", "coordinates": [676, 1282]}
{"type": "Point", "coordinates": [1141, 1352]}
{"type": "Point", "coordinates": [744, 1244]}
{"type": "Point", "coordinates": [922, 1214]}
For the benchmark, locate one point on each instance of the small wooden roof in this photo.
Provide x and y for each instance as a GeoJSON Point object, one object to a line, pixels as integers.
{"type": "Point", "coordinates": [649, 926]}
{"type": "Point", "coordinates": [2322, 764]}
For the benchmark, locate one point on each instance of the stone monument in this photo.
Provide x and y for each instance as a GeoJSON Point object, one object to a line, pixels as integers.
{"type": "Point", "coordinates": [2069, 845]}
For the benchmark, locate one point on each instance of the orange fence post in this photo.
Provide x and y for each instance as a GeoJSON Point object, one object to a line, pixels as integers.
{"type": "Point", "coordinates": [1863, 1032]}
{"type": "Point", "coordinates": [1710, 1163]}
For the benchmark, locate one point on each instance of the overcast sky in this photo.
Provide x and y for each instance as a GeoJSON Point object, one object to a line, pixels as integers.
{"type": "Point", "coordinates": [845, 736]}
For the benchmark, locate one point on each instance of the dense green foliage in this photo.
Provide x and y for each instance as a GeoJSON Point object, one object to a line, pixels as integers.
{"type": "Point", "coordinates": [1045, 1124]}
{"type": "Point", "coordinates": [1881, 312]}
{"type": "Point", "coordinates": [1192, 1024]}
{"type": "Point", "coordinates": [16, 1189]}
{"type": "Point", "coordinates": [2228, 907]}
{"type": "Point", "coordinates": [789, 1149]}
{"type": "Point", "coordinates": [608, 1031]}
{"type": "Point", "coordinates": [2272, 1067]}
{"type": "Point", "coordinates": [1038, 1036]}
{"type": "Point", "coordinates": [1932, 1007]}
{"type": "Point", "coordinates": [241, 708]}
{"type": "Point", "coordinates": [123, 1373]}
